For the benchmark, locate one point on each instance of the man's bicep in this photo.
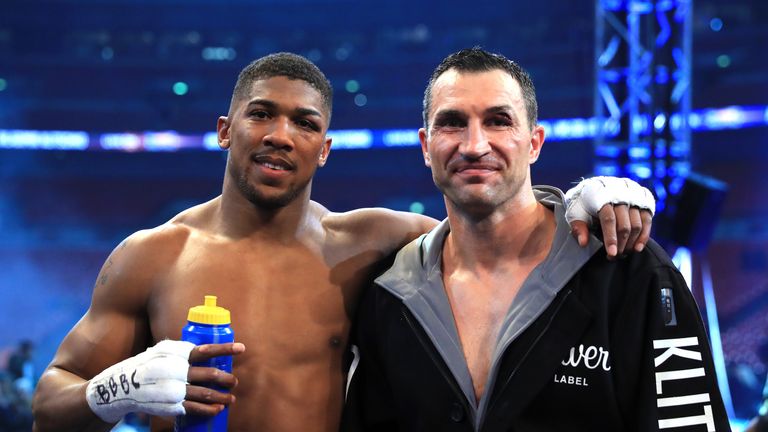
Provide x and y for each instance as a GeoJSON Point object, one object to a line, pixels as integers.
{"type": "Point", "coordinates": [99, 340]}
{"type": "Point", "coordinates": [115, 326]}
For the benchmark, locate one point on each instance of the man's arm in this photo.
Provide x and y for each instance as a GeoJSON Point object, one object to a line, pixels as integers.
{"type": "Point", "coordinates": [114, 328]}
{"type": "Point", "coordinates": [102, 344]}
{"type": "Point", "coordinates": [623, 209]}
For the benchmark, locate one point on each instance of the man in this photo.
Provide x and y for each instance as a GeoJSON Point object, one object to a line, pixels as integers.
{"type": "Point", "coordinates": [289, 270]}
{"type": "Point", "coordinates": [496, 320]}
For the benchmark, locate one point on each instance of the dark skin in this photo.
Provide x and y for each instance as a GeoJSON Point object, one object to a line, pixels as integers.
{"type": "Point", "coordinates": [289, 270]}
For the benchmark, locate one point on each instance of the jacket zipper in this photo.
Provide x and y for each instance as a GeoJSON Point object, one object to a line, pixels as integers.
{"type": "Point", "coordinates": [440, 366]}
{"type": "Point", "coordinates": [522, 359]}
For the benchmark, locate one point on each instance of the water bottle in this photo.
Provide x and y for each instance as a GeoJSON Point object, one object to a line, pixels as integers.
{"type": "Point", "coordinates": [208, 324]}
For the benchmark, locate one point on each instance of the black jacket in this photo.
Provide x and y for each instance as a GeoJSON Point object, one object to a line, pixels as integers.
{"type": "Point", "coordinates": [609, 346]}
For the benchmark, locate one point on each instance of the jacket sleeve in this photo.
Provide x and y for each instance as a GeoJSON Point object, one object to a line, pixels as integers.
{"type": "Point", "coordinates": [369, 403]}
{"type": "Point", "coordinates": [676, 387]}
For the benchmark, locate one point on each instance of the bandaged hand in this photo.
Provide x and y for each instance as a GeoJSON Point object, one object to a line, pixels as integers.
{"type": "Point", "coordinates": [626, 222]}
{"type": "Point", "coordinates": [153, 382]}
{"type": "Point", "coordinates": [585, 200]}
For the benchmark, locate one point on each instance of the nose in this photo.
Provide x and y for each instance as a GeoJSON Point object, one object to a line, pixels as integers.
{"type": "Point", "coordinates": [279, 134]}
{"type": "Point", "coordinates": [475, 144]}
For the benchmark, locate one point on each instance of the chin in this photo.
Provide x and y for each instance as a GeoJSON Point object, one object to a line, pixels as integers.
{"type": "Point", "coordinates": [272, 201]}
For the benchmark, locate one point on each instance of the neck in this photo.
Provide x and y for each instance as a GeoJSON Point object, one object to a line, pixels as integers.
{"type": "Point", "coordinates": [519, 231]}
{"type": "Point", "coordinates": [238, 217]}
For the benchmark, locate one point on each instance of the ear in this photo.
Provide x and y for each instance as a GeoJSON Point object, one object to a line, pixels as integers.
{"type": "Point", "coordinates": [537, 142]}
{"type": "Point", "coordinates": [222, 131]}
{"type": "Point", "coordinates": [424, 149]}
{"type": "Point", "coordinates": [324, 152]}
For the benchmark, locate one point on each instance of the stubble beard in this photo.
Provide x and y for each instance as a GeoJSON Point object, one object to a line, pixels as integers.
{"type": "Point", "coordinates": [479, 205]}
{"type": "Point", "coordinates": [260, 200]}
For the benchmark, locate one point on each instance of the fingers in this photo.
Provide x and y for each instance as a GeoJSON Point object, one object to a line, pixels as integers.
{"type": "Point", "coordinates": [580, 231]}
{"type": "Point", "coordinates": [636, 225]}
{"type": "Point", "coordinates": [621, 212]}
{"type": "Point", "coordinates": [645, 232]}
{"type": "Point", "coordinates": [205, 352]}
{"type": "Point", "coordinates": [211, 376]}
{"type": "Point", "coordinates": [207, 401]}
{"type": "Point", "coordinates": [207, 396]}
{"type": "Point", "coordinates": [201, 409]}
{"type": "Point", "coordinates": [608, 225]}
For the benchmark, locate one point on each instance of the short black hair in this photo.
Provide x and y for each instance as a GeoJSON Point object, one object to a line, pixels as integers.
{"type": "Point", "coordinates": [289, 65]}
{"type": "Point", "coordinates": [477, 59]}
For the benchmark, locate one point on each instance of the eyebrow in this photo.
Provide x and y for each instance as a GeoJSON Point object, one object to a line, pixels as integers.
{"type": "Point", "coordinates": [507, 109]}
{"type": "Point", "coordinates": [272, 105]}
{"type": "Point", "coordinates": [449, 113]}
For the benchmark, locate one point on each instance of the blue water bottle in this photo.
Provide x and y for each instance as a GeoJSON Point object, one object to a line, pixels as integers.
{"type": "Point", "coordinates": [208, 324]}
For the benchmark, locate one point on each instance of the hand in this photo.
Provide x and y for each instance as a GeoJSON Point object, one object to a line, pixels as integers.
{"type": "Point", "coordinates": [153, 382]}
{"type": "Point", "coordinates": [205, 401]}
{"type": "Point", "coordinates": [624, 229]}
{"type": "Point", "coordinates": [624, 209]}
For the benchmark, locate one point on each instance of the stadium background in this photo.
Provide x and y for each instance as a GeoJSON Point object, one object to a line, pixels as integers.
{"type": "Point", "coordinates": [105, 107]}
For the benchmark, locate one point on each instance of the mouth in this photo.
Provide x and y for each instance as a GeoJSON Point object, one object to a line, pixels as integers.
{"type": "Point", "coordinates": [273, 163]}
{"type": "Point", "coordinates": [474, 168]}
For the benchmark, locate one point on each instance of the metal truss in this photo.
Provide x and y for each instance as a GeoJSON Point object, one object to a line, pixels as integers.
{"type": "Point", "coordinates": [643, 91]}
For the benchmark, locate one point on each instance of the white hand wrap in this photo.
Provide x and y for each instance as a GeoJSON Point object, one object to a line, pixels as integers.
{"type": "Point", "coordinates": [584, 201]}
{"type": "Point", "coordinates": [153, 382]}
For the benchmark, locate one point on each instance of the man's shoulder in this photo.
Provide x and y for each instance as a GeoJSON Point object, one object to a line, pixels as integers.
{"type": "Point", "coordinates": [156, 246]}
{"type": "Point", "coordinates": [380, 228]}
{"type": "Point", "coordinates": [637, 271]}
{"type": "Point", "coordinates": [652, 257]}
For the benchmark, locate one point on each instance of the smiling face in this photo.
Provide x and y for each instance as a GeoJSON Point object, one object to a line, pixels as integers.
{"type": "Point", "coordinates": [276, 141]}
{"type": "Point", "coordinates": [479, 144]}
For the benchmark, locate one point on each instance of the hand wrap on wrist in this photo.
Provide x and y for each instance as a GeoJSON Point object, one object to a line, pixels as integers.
{"type": "Point", "coordinates": [584, 201]}
{"type": "Point", "coordinates": [153, 382]}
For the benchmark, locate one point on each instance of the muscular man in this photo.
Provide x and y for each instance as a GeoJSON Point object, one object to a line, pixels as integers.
{"type": "Point", "coordinates": [497, 320]}
{"type": "Point", "coordinates": [290, 271]}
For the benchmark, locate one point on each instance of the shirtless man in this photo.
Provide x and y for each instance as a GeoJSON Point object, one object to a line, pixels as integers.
{"type": "Point", "coordinates": [290, 271]}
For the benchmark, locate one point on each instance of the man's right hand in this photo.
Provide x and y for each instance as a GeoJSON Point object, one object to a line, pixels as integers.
{"type": "Point", "coordinates": [155, 382]}
{"type": "Point", "coordinates": [201, 400]}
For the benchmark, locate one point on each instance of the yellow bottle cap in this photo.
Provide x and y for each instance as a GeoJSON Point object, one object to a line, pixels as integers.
{"type": "Point", "coordinates": [209, 313]}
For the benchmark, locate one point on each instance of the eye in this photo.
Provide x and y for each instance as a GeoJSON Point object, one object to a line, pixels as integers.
{"type": "Point", "coordinates": [307, 124]}
{"type": "Point", "coordinates": [259, 114]}
{"type": "Point", "coordinates": [500, 121]}
{"type": "Point", "coordinates": [449, 122]}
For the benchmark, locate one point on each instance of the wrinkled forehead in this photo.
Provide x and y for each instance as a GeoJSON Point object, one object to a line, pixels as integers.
{"type": "Point", "coordinates": [458, 90]}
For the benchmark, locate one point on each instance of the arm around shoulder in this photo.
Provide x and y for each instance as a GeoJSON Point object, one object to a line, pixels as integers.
{"type": "Point", "coordinates": [389, 230]}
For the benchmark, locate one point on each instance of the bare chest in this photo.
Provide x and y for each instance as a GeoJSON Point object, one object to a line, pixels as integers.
{"type": "Point", "coordinates": [479, 307]}
{"type": "Point", "coordinates": [275, 298]}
